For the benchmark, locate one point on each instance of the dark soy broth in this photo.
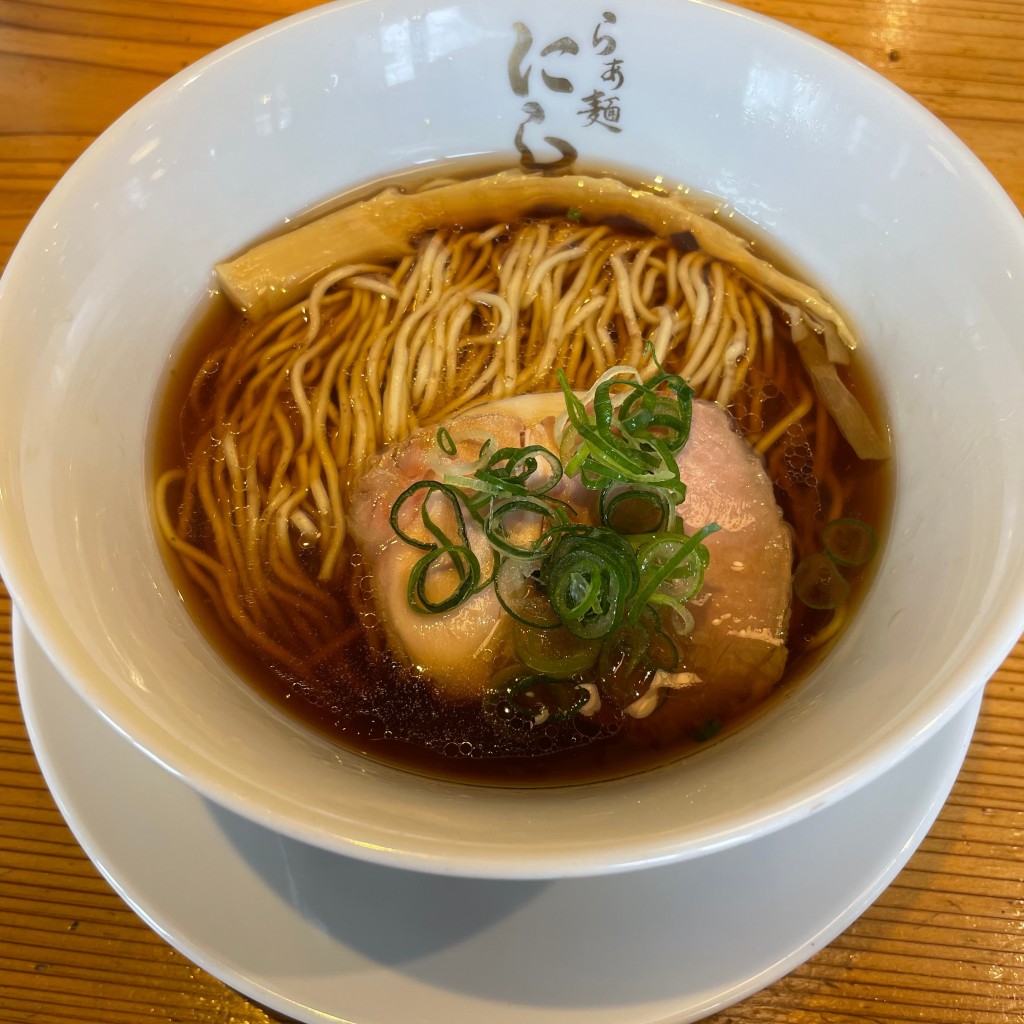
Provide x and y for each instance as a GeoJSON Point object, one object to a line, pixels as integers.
{"type": "Point", "coordinates": [361, 697]}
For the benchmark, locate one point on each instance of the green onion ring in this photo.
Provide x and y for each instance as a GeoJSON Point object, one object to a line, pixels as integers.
{"type": "Point", "coordinates": [653, 578]}
{"type": "Point", "coordinates": [554, 652]}
{"type": "Point", "coordinates": [819, 583]}
{"type": "Point", "coordinates": [517, 591]}
{"type": "Point", "coordinates": [430, 486]}
{"type": "Point", "coordinates": [590, 577]}
{"type": "Point", "coordinates": [445, 441]}
{"type": "Point", "coordinates": [656, 496]}
{"type": "Point", "coordinates": [468, 568]}
{"type": "Point", "coordinates": [849, 541]}
{"type": "Point", "coordinates": [494, 525]}
{"type": "Point", "coordinates": [501, 706]}
{"type": "Point", "coordinates": [520, 465]}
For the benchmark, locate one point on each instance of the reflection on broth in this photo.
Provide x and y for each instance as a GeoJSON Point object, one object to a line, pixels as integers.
{"type": "Point", "coordinates": [505, 479]}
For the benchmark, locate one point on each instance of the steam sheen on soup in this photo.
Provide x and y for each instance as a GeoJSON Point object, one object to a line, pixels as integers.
{"type": "Point", "coordinates": [519, 479]}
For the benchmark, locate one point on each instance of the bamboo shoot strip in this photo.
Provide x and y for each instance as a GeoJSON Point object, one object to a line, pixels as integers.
{"type": "Point", "coordinates": [278, 272]}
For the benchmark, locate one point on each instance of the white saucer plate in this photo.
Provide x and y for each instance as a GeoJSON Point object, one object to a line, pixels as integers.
{"type": "Point", "coordinates": [320, 937]}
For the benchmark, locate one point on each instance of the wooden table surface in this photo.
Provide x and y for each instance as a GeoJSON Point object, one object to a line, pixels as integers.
{"type": "Point", "coordinates": [945, 942]}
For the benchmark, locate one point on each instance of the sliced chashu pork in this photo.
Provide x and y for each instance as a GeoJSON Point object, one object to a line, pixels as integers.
{"type": "Point", "coordinates": [737, 650]}
{"type": "Point", "coordinates": [455, 650]}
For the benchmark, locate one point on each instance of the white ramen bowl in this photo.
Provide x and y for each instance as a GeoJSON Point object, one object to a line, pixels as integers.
{"type": "Point", "coordinates": [882, 206]}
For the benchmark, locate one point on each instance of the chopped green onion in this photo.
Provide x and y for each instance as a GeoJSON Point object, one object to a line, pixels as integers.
{"type": "Point", "coordinates": [508, 472]}
{"type": "Point", "coordinates": [520, 696]}
{"type": "Point", "coordinates": [554, 652]}
{"type": "Point", "coordinates": [466, 566]}
{"type": "Point", "coordinates": [445, 441]}
{"type": "Point", "coordinates": [511, 468]}
{"type": "Point", "coordinates": [458, 551]}
{"type": "Point", "coordinates": [606, 601]}
{"type": "Point", "coordinates": [819, 583]}
{"type": "Point", "coordinates": [681, 616]}
{"type": "Point", "coordinates": [632, 509]}
{"type": "Point", "coordinates": [672, 557]}
{"type": "Point", "coordinates": [518, 591]}
{"type": "Point", "coordinates": [590, 575]}
{"type": "Point", "coordinates": [849, 541]}
{"type": "Point", "coordinates": [622, 655]}
{"type": "Point", "coordinates": [432, 487]}
{"type": "Point", "coordinates": [670, 418]}
{"type": "Point", "coordinates": [663, 652]}
{"type": "Point", "coordinates": [573, 214]}
{"type": "Point", "coordinates": [635, 443]}
{"type": "Point", "coordinates": [631, 657]}
{"type": "Point", "coordinates": [497, 532]}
